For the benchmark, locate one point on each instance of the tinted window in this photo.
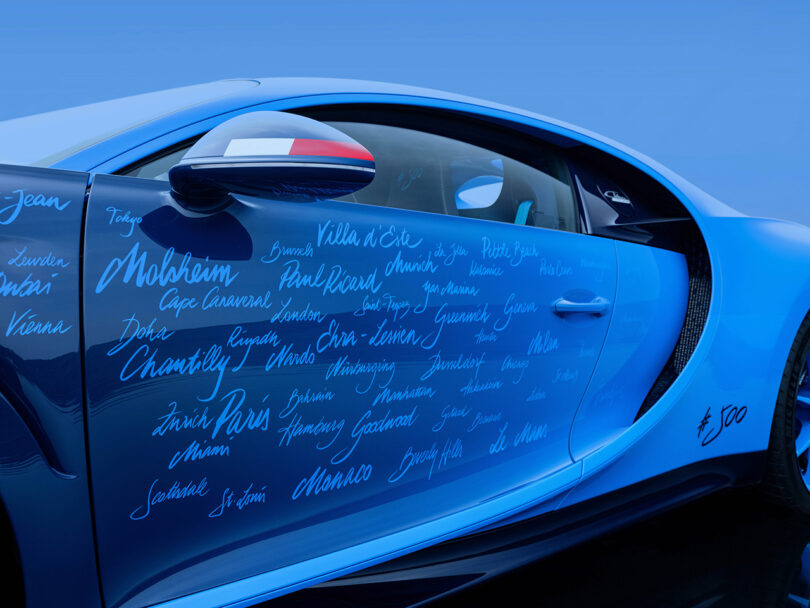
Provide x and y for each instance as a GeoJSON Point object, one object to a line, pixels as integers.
{"type": "Point", "coordinates": [157, 167]}
{"type": "Point", "coordinates": [428, 172]}
{"type": "Point", "coordinates": [630, 206]}
{"type": "Point", "coordinates": [424, 171]}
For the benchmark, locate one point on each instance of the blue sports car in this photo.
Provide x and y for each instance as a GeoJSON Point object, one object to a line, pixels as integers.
{"type": "Point", "coordinates": [259, 335]}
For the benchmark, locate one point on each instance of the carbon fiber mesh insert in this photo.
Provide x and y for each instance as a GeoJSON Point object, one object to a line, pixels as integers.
{"type": "Point", "coordinates": [697, 309]}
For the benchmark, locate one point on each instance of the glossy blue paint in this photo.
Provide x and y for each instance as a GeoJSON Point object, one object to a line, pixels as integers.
{"type": "Point", "coordinates": [738, 361]}
{"type": "Point", "coordinates": [50, 517]}
{"type": "Point", "coordinates": [649, 309]}
{"type": "Point", "coordinates": [42, 455]}
{"type": "Point", "coordinates": [40, 361]}
{"type": "Point", "coordinates": [200, 549]}
{"type": "Point", "coordinates": [388, 330]}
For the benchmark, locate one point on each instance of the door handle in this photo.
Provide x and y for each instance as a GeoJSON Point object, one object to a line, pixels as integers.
{"type": "Point", "coordinates": [598, 306]}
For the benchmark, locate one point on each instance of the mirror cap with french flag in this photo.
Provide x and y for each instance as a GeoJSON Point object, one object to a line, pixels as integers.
{"type": "Point", "coordinates": [278, 134]}
{"type": "Point", "coordinates": [272, 155]}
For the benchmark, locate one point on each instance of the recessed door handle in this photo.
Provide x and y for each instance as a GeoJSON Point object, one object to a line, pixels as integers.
{"type": "Point", "coordinates": [598, 306]}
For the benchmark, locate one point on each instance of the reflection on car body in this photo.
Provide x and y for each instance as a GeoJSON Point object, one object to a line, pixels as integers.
{"type": "Point", "coordinates": [299, 331]}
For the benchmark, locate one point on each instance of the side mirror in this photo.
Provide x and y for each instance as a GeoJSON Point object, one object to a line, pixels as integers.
{"type": "Point", "coordinates": [272, 154]}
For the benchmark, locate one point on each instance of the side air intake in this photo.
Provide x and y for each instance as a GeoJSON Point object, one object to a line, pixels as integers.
{"type": "Point", "coordinates": [697, 310]}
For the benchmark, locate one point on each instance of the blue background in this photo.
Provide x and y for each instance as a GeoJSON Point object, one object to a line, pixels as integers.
{"type": "Point", "coordinates": [718, 91]}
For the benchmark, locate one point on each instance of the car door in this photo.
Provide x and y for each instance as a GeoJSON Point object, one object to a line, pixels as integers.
{"type": "Point", "coordinates": [275, 387]}
{"type": "Point", "coordinates": [663, 270]}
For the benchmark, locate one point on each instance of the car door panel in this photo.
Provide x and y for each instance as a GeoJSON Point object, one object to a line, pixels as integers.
{"type": "Point", "coordinates": [43, 474]}
{"type": "Point", "coordinates": [649, 310]}
{"type": "Point", "coordinates": [303, 378]}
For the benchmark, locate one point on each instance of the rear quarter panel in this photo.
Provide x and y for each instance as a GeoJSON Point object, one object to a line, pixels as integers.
{"type": "Point", "coordinates": [760, 294]}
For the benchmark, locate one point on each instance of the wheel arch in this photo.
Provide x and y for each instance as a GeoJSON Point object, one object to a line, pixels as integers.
{"type": "Point", "coordinates": [763, 268]}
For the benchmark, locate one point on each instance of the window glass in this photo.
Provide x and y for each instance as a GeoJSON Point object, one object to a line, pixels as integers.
{"type": "Point", "coordinates": [428, 172]}
{"type": "Point", "coordinates": [423, 171]}
{"type": "Point", "coordinates": [158, 168]}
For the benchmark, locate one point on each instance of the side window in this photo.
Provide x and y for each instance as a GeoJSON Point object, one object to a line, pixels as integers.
{"type": "Point", "coordinates": [157, 166]}
{"type": "Point", "coordinates": [424, 171]}
{"type": "Point", "coordinates": [428, 172]}
{"type": "Point", "coordinates": [626, 205]}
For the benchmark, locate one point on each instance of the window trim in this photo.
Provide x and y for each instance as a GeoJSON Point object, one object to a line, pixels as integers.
{"type": "Point", "coordinates": [129, 169]}
{"type": "Point", "coordinates": [448, 123]}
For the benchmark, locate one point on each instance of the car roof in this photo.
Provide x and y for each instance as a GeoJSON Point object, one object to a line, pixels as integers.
{"type": "Point", "coordinates": [43, 139]}
{"type": "Point", "coordinates": [110, 127]}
